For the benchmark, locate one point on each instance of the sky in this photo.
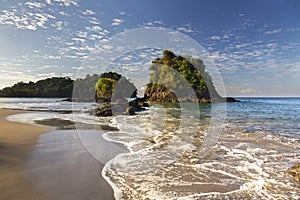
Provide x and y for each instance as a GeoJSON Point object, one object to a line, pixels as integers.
{"type": "Point", "coordinates": [254, 44]}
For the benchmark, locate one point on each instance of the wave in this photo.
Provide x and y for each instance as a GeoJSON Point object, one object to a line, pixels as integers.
{"type": "Point", "coordinates": [164, 161]}
{"type": "Point", "coordinates": [163, 165]}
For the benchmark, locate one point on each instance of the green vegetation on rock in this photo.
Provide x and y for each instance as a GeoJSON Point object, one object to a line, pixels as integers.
{"type": "Point", "coordinates": [113, 87]}
{"type": "Point", "coordinates": [175, 75]}
{"type": "Point", "coordinates": [105, 87]}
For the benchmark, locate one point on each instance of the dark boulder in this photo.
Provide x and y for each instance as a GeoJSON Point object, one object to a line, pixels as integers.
{"type": "Point", "coordinates": [231, 99]}
{"type": "Point", "coordinates": [130, 110]}
{"type": "Point", "coordinates": [104, 111]}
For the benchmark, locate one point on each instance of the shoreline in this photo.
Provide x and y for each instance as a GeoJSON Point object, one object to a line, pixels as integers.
{"type": "Point", "coordinates": [29, 167]}
{"type": "Point", "coordinates": [17, 141]}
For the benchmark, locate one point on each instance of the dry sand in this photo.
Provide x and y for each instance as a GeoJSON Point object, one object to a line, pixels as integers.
{"type": "Point", "coordinates": [17, 140]}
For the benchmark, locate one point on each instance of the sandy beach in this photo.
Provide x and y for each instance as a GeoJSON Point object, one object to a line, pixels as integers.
{"type": "Point", "coordinates": [46, 166]}
{"type": "Point", "coordinates": [17, 141]}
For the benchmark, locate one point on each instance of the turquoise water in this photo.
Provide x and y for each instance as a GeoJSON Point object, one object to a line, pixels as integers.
{"type": "Point", "coordinates": [279, 115]}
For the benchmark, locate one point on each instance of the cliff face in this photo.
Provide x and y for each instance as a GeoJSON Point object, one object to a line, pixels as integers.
{"type": "Point", "coordinates": [179, 79]}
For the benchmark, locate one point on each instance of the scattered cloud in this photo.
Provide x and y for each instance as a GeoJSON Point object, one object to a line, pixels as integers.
{"type": "Point", "coordinates": [62, 13]}
{"type": "Point", "coordinates": [47, 67]}
{"type": "Point", "coordinates": [215, 37]}
{"type": "Point", "coordinates": [88, 12]}
{"type": "Point", "coordinates": [35, 4]}
{"type": "Point", "coordinates": [272, 32]}
{"type": "Point", "coordinates": [185, 30]}
{"type": "Point", "coordinates": [59, 25]}
{"type": "Point", "coordinates": [94, 21]}
{"type": "Point", "coordinates": [66, 2]}
{"type": "Point", "coordinates": [152, 23]}
{"type": "Point", "coordinates": [70, 34]}
{"type": "Point", "coordinates": [48, 2]}
{"type": "Point", "coordinates": [25, 20]}
{"type": "Point", "coordinates": [117, 22]}
{"type": "Point", "coordinates": [81, 34]}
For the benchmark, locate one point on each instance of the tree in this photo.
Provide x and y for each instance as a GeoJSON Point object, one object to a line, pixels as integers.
{"type": "Point", "coordinates": [169, 72]}
{"type": "Point", "coordinates": [104, 87]}
{"type": "Point", "coordinates": [112, 86]}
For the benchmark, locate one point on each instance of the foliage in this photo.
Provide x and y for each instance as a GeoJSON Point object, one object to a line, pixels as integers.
{"type": "Point", "coordinates": [113, 85]}
{"type": "Point", "coordinates": [111, 75]}
{"type": "Point", "coordinates": [162, 74]}
{"type": "Point", "coordinates": [51, 87]}
{"type": "Point", "coordinates": [177, 73]}
{"type": "Point", "coordinates": [104, 87]}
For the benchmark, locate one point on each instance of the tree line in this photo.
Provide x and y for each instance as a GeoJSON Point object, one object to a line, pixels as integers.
{"type": "Point", "coordinates": [102, 86]}
{"type": "Point", "coordinates": [55, 87]}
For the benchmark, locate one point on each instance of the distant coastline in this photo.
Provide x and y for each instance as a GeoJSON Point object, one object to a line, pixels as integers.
{"type": "Point", "coordinates": [174, 78]}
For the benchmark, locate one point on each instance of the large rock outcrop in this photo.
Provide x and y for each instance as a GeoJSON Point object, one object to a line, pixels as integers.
{"type": "Point", "coordinates": [180, 79]}
{"type": "Point", "coordinates": [112, 87]}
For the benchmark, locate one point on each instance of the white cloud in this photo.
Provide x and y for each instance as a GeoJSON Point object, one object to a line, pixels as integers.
{"type": "Point", "coordinates": [226, 36]}
{"type": "Point", "coordinates": [116, 22]}
{"type": "Point", "coordinates": [272, 32]}
{"type": "Point", "coordinates": [78, 40]}
{"type": "Point", "coordinates": [94, 21]}
{"type": "Point", "coordinates": [152, 23]}
{"type": "Point", "coordinates": [94, 28]}
{"type": "Point", "coordinates": [25, 20]}
{"type": "Point", "coordinates": [59, 25]}
{"type": "Point", "coordinates": [95, 37]}
{"type": "Point", "coordinates": [62, 13]}
{"type": "Point", "coordinates": [185, 30]}
{"type": "Point", "coordinates": [42, 18]}
{"type": "Point", "coordinates": [67, 2]}
{"type": "Point", "coordinates": [51, 57]}
{"type": "Point", "coordinates": [35, 4]}
{"type": "Point", "coordinates": [215, 37]}
{"type": "Point", "coordinates": [48, 2]}
{"type": "Point", "coordinates": [81, 34]}
{"type": "Point", "coordinates": [47, 67]}
{"type": "Point", "coordinates": [88, 12]}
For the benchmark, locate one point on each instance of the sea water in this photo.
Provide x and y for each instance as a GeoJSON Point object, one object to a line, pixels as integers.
{"type": "Point", "coordinates": [249, 159]}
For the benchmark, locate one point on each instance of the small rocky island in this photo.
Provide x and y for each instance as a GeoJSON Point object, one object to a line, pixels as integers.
{"type": "Point", "coordinates": [173, 79]}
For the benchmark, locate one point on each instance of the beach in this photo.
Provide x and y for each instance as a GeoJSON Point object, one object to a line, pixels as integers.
{"type": "Point", "coordinates": [17, 141]}
{"type": "Point", "coordinates": [143, 156]}
{"type": "Point", "coordinates": [54, 165]}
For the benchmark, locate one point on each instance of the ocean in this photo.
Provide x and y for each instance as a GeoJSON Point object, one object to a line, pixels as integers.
{"type": "Point", "coordinates": [237, 150]}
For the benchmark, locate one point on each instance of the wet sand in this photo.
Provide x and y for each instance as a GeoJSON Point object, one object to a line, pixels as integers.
{"type": "Point", "coordinates": [49, 166]}
{"type": "Point", "coordinates": [17, 141]}
{"type": "Point", "coordinates": [62, 168]}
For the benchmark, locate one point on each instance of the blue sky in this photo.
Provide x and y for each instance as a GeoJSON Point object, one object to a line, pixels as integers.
{"type": "Point", "coordinates": [255, 44]}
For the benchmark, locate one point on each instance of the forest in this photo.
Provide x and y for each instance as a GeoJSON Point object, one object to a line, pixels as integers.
{"type": "Point", "coordinates": [55, 87]}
